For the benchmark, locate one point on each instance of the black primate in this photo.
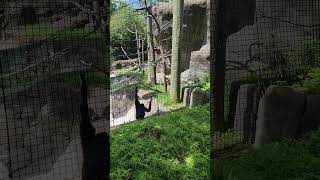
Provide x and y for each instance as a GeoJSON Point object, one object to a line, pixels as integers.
{"type": "Point", "coordinates": [95, 147]}
{"type": "Point", "coordinates": [140, 108]}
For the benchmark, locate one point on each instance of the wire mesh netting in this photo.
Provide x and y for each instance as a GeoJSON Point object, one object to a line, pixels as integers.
{"type": "Point", "coordinates": [263, 43]}
{"type": "Point", "coordinates": [44, 46]}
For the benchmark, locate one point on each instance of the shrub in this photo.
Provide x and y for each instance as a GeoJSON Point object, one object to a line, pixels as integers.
{"type": "Point", "coordinates": [312, 84]}
{"type": "Point", "coordinates": [312, 53]}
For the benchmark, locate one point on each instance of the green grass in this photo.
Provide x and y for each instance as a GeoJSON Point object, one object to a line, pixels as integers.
{"type": "Point", "coordinates": [285, 160]}
{"type": "Point", "coordinates": [129, 72]}
{"type": "Point", "coordinates": [163, 97]}
{"type": "Point", "coordinates": [173, 146]}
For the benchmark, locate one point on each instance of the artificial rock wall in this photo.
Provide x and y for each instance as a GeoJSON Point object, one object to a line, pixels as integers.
{"type": "Point", "coordinates": [259, 32]}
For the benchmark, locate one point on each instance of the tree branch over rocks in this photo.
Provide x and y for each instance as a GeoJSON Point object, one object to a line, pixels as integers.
{"type": "Point", "coordinates": [62, 52]}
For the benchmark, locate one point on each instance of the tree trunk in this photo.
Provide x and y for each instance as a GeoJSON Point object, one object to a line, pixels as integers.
{"type": "Point", "coordinates": [142, 49]}
{"type": "Point", "coordinates": [164, 69]}
{"type": "Point", "coordinates": [151, 56]}
{"type": "Point", "coordinates": [138, 46]}
{"type": "Point", "coordinates": [95, 17]}
{"type": "Point", "coordinates": [176, 49]}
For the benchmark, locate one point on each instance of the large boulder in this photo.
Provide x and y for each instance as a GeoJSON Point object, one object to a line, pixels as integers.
{"type": "Point", "coordinates": [258, 32]}
{"type": "Point", "coordinates": [279, 115]}
{"type": "Point", "coordinates": [311, 119]}
{"type": "Point", "coordinates": [195, 49]}
{"type": "Point", "coordinates": [42, 120]}
{"type": "Point", "coordinates": [198, 97]}
{"type": "Point", "coordinates": [186, 96]}
{"type": "Point", "coordinates": [270, 37]}
{"type": "Point", "coordinates": [194, 27]}
{"type": "Point", "coordinates": [246, 108]}
{"type": "Point", "coordinates": [200, 63]}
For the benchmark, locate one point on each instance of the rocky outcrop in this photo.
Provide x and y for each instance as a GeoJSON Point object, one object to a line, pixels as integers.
{"type": "Point", "coordinates": [199, 63]}
{"type": "Point", "coordinates": [280, 29]}
{"type": "Point", "coordinates": [41, 123]}
{"type": "Point", "coordinates": [260, 33]}
{"type": "Point", "coordinates": [194, 27]}
{"type": "Point", "coordinates": [245, 112]}
{"type": "Point", "coordinates": [312, 113]}
{"type": "Point", "coordinates": [198, 97]}
{"type": "Point", "coordinates": [284, 112]}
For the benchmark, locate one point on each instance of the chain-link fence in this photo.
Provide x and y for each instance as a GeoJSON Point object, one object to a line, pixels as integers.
{"type": "Point", "coordinates": [44, 46]}
{"type": "Point", "coordinates": [261, 43]}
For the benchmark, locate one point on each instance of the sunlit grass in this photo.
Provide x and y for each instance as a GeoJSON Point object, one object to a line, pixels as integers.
{"type": "Point", "coordinates": [172, 146]}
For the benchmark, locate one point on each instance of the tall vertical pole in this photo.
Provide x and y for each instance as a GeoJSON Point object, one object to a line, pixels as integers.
{"type": "Point", "coordinates": [138, 45]}
{"type": "Point", "coordinates": [217, 72]}
{"type": "Point", "coordinates": [96, 15]}
{"type": "Point", "coordinates": [142, 49]}
{"type": "Point", "coordinates": [151, 56]}
{"type": "Point", "coordinates": [176, 49]}
{"type": "Point", "coordinates": [219, 42]}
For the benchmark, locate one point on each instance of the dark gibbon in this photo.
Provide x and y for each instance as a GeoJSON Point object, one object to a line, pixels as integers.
{"type": "Point", "coordinates": [140, 107]}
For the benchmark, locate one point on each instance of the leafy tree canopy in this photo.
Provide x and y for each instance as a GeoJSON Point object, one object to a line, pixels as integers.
{"type": "Point", "coordinates": [122, 20]}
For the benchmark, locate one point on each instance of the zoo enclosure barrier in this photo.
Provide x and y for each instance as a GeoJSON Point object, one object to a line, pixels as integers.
{"type": "Point", "coordinates": [44, 46]}
{"type": "Point", "coordinates": [258, 43]}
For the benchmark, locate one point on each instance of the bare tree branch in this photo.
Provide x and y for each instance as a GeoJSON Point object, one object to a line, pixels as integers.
{"type": "Point", "coordinates": [131, 31]}
{"type": "Point", "coordinates": [164, 26]}
{"type": "Point", "coordinates": [166, 39]}
{"type": "Point", "coordinates": [64, 51]}
{"type": "Point", "coordinates": [125, 53]}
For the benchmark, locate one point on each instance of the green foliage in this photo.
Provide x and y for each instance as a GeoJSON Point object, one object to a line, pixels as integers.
{"type": "Point", "coordinates": [312, 53]}
{"type": "Point", "coordinates": [311, 84]}
{"type": "Point", "coordinates": [284, 160]}
{"type": "Point", "coordinates": [117, 5]}
{"type": "Point", "coordinates": [203, 83]}
{"type": "Point", "coordinates": [309, 79]}
{"type": "Point", "coordinates": [206, 87]}
{"type": "Point", "coordinates": [120, 36]}
{"type": "Point", "coordinates": [173, 146]}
